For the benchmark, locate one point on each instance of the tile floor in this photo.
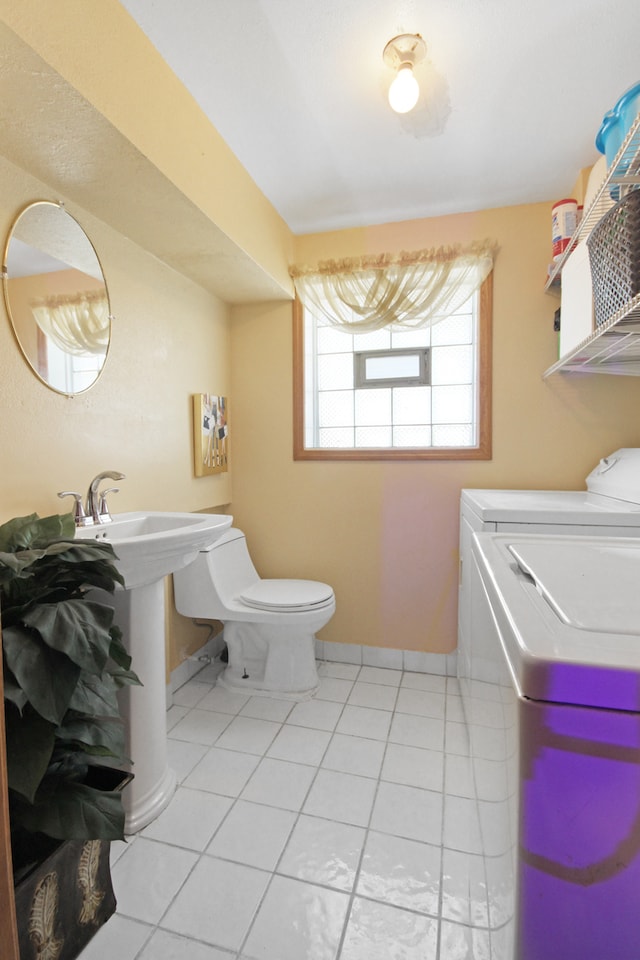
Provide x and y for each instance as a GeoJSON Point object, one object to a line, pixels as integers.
{"type": "Point", "coordinates": [339, 828]}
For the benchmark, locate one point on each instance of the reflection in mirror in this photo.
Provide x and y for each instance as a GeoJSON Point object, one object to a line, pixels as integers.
{"type": "Point", "coordinates": [56, 297]}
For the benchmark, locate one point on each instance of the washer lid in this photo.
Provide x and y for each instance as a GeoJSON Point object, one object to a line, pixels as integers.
{"type": "Point", "coordinates": [575, 507]}
{"type": "Point", "coordinates": [590, 586]}
{"type": "Point", "coordinates": [286, 594]}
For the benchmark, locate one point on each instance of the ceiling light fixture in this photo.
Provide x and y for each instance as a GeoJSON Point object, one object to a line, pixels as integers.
{"type": "Point", "coordinates": [401, 54]}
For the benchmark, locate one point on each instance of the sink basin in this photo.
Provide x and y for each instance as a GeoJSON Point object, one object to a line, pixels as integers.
{"type": "Point", "coordinates": [150, 545]}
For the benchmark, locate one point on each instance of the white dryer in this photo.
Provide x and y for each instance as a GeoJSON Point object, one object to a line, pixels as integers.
{"type": "Point", "coordinates": [555, 684]}
{"type": "Point", "coordinates": [610, 506]}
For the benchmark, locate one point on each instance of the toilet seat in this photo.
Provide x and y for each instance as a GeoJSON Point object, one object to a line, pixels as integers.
{"type": "Point", "coordinates": [287, 595]}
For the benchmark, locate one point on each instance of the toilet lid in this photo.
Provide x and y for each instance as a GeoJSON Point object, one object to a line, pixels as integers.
{"type": "Point", "coordinates": [286, 594]}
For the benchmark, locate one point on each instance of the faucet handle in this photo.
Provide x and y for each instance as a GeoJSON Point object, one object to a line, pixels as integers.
{"type": "Point", "coordinates": [103, 509]}
{"type": "Point", "coordinates": [80, 517]}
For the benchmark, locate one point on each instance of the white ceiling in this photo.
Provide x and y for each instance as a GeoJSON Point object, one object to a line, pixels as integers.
{"type": "Point", "coordinates": [513, 94]}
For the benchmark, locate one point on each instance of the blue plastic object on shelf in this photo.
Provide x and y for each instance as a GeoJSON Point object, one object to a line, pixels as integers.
{"type": "Point", "coordinates": [617, 123]}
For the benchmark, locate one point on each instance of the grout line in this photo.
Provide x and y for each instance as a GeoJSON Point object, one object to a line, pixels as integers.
{"type": "Point", "coordinates": [393, 711]}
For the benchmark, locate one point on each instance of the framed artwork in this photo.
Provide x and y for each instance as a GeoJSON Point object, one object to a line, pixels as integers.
{"type": "Point", "coordinates": [210, 434]}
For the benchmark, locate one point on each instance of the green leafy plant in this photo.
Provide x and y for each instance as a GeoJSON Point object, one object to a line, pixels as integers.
{"type": "Point", "coordinates": [64, 663]}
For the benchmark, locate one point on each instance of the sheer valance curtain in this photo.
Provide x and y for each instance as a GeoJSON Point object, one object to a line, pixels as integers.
{"type": "Point", "coordinates": [406, 291]}
{"type": "Point", "coordinates": [77, 324]}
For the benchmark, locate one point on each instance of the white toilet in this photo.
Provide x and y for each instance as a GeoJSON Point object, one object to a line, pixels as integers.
{"type": "Point", "coordinates": [269, 625]}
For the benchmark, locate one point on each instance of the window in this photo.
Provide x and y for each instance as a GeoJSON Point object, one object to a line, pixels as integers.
{"type": "Point", "coordinates": [415, 394]}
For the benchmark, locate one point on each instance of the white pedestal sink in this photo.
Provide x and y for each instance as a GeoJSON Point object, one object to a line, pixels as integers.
{"type": "Point", "coordinates": [149, 546]}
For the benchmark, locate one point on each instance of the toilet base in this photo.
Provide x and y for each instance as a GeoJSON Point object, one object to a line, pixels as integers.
{"type": "Point", "coordinates": [275, 661]}
{"type": "Point", "coordinates": [256, 689]}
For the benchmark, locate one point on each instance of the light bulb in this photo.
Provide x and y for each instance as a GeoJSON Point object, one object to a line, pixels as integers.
{"type": "Point", "coordinates": [404, 91]}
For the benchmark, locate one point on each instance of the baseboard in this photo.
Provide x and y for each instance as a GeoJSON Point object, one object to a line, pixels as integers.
{"type": "Point", "coordinates": [415, 661]}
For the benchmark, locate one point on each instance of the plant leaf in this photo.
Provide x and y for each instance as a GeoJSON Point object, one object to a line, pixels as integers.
{"type": "Point", "coordinates": [117, 651]}
{"type": "Point", "coordinates": [74, 811]}
{"type": "Point", "coordinates": [96, 696]}
{"type": "Point", "coordinates": [23, 533]}
{"type": "Point", "coordinates": [30, 742]}
{"type": "Point", "coordinates": [78, 628]}
{"type": "Point", "coordinates": [104, 734]}
{"type": "Point", "coordinates": [47, 677]}
{"type": "Point", "coordinates": [13, 692]}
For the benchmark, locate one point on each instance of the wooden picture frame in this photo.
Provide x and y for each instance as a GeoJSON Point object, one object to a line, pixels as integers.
{"type": "Point", "coordinates": [210, 434]}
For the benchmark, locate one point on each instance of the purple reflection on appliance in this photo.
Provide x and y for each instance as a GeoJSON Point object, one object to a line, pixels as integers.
{"type": "Point", "coordinates": [579, 878]}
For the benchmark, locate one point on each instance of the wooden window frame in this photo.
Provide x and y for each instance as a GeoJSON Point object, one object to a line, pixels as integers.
{"type": "Point", "coordinates": [482, 451]}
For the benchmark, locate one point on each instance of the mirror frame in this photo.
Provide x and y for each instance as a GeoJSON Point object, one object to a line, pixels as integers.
{"type": "Point", "coordinates": [57, 206]}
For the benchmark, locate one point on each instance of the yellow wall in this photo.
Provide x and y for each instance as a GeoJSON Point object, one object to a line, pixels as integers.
{"type": "Point", "coordinates": [385, 535]}
{"type": "Point", "coordinates": [170, 340]}
{"type": "Point", "coordinates": [136, 159]}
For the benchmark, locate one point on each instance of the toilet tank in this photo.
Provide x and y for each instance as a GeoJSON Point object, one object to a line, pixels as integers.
{"type": "Point", "coordinates": [216, 578]}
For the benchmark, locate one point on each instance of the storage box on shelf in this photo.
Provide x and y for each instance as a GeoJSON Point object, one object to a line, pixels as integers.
{"type": "Point", "coordinates": [614, 347]}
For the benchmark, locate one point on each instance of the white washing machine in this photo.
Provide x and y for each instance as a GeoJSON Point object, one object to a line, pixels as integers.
{"type": "Point", "coordinates": [554, 696]}
{"type": "Point", "coordinates": [610, 506]}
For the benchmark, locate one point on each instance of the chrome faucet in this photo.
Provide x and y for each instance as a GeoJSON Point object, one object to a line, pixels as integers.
{"type": "Point", "coordinates": [96, 503]}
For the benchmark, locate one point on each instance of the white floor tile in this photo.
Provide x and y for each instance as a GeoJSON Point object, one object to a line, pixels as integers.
{"type": "Point", "coordinates": [254, 834]}
{"type": "Point", "coordinates": [454, 708]}
{"type": "Point", "coordinates": [117, 848]}
{"type": "Point", "coordinates": [171, 946]}
{"type": "Point", "coordinates": [463, 943]}
{"type": "Point", "coordinates": [217, 903]}
{"type": "Point", "coordinates": [458, 778]}
{"type": "Point", "coordinates": [413, 731]}
{"type": "Point", "coordinates": [343, 671]}
{"type": "Point", "coordinates": [319, 714]}
{"type": "Point", "coordinates": [423, 680]}
{"type": "Point", "coordinates": [279, 783]}
{"type": "Point", "coordinates": [267, 708]}
{"type": "Point", "coordinates": [297, 920]}
{"type": "Point", "coordinates": [413, 766]}
{"type": "Point", "coordinates": [190, 820]}
{"type": "Point", "coordinates": [456, 739]}
{"type": "Point", "coordinates": [119, 937]}
{"type": "Point", "coordinates": [462, 825]}
{"type": "Point", "coordinates": [200, 726]}
{"type": "Point", "coordinates": [408, 812]}
{"type": "Point", "coordinates": [248, 735]}
{"type": "Point", "coordinates": [223, 701]}
{"type": "Point", "coordinates": [222, 771]}
{"type": "Point", "coordinates": [377, 931]}
{"type": "Point", "coordinates": [323, 852]}
{"type": "Point", "coordinates": [403, 872]}
{"type": "Point", "coordinates": [148, 876]}
{"type": "Point", "coordinates": [378, 695]}
{"type": "Point", "coordinates": [299, 744]}
{"type": "Point", "coordinates": [364, 722]}
{"type": "Point", "coordinates": [380, 675]}
{"type": "Point", "coordinates": [354, 755]}
{"type": "Point", "coordinates": [283, 807]}
{"type": "Point", "coordinates": [424, 703]}
{"type": "Point", "coordinates": [183, 757]}
{"type": "Point", "coordinates": [334, 688]}
{"type": "Point", "coordinates": [341, 796]}
{"type": "Point", "coordinates": [174, 715]}
{"type": "Point", "coordinates": [464, 889]}
{"type": "Point", "coordinates": [190, 693]}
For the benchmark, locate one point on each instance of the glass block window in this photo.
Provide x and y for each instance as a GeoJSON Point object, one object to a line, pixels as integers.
{"type": "Point", "coordinates": [392, 393]}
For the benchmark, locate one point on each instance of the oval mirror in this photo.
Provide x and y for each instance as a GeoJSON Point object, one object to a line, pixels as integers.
{"type": "Point", "coordinates": [56, 297]}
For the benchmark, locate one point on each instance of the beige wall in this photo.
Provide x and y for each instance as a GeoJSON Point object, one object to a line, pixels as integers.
{"type": "Point", "coordinates": [170, 340]}
{"type": "Point", "coordinates": [385, 535]}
